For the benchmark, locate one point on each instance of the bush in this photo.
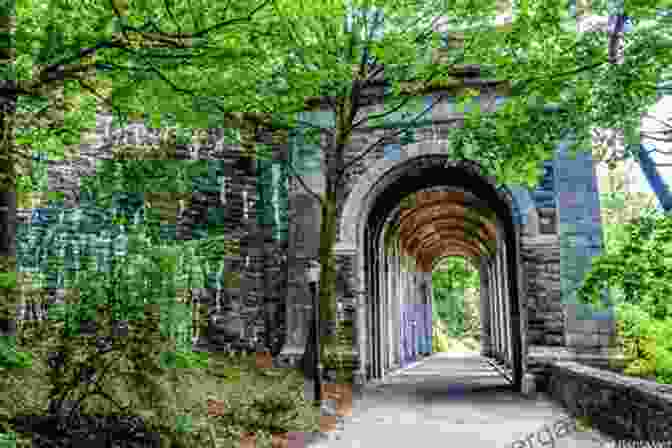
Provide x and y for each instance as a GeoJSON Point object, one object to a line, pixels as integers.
{"type": "Point", "coordinates": [130, 378]}
{"type": "Point", "coordinates": [10, 358]}
{"type": "Point", "coordinates": [648, 340]}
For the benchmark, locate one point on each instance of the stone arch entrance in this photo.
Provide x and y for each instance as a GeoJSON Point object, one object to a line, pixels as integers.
{"type": "Point", "coordinates": [395, 308]}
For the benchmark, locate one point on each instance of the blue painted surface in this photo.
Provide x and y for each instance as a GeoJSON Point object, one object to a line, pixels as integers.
{"type": "Point", "coordinates": [544, 194]}
{"type": "Point", "coordinates": [657, 183]}
{"type": "Point", "coordinates": [415, 339]}
{"type": "Point", "coordinates": [579, 221]}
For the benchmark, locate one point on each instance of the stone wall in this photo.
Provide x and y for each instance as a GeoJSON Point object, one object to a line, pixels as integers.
{"type": "Point", "coordinates": [619, 406]}
{"type": "Point", "coordinates": [541, 264]}
{"type": "Point", "coordinates": [256, 296]}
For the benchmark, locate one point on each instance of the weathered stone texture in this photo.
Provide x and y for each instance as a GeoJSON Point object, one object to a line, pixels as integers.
{"type": "Point", "coordinates": [623, 407]}
{"type": "Point", "coordinates": [257, 300]}
{"type": "Point", "coordinates": [541, 257]}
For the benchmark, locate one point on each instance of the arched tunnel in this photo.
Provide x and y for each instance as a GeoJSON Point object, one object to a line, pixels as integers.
{"type": "Point", "coordinates": [428, 209]}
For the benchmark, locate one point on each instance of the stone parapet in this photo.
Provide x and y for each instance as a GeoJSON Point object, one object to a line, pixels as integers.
{"type": "Point", "coordinates": [622, 407]}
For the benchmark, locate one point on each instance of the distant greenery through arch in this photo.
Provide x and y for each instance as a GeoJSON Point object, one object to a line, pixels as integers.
{"type": "Point", "coordinates": [455, 310]}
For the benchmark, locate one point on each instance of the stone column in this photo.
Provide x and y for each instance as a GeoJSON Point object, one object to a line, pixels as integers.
{"type": "Point", "coordinates": [492, 299]}
{"type": "Point", "coordinates": [361, 328]}
{"type": "Point", "coordinates": [390, 309]}
{"type": "Point", "coordinates": [496, 313]}
{"type": "Point", "coordinates": [580, 230]}
{"type": "Point", "coordinates": [388, 321]}
{"type": "Point", "coordinates": [485, 311]}
{"type": "Point", "coordinates": [394, 310]}
{"type": "Point", "coordinates": [381, 316]}
{"type": "Point", "coordinates": [502, 301]}
{"type": "Point", "coordinates": [404, 307]}
{"type": "Point", "coordinates": [375, 299]}
{"type": "Point", "coordinates": [381, 311]}
{"type": "Point", "coordinates": [500, 305]}
{"type": "Point", "coordinates": [507, 304]}
{"type": "Point", "coordinates": [428, 313]}
{"type": "Point", "coordinates": [399, 301]}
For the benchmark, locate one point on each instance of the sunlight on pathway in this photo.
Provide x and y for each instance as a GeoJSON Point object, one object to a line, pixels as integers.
{"type": "Point", "coordinates": [455, 400]}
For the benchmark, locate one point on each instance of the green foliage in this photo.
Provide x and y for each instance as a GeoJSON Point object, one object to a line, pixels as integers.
{"type": "Point", "coordinates": [639, 267]}
{"type": "Point", "coordinates": [265, 407]}
{"type": "Point", "coordinates": [636, 269]}
{"type": "Point", "coordinates": [132, 378]}
{"type": "Point", "coordinates": [10, 358]}
{"type": "Point", "coordinates": [449, 283]}
{"type": "Point", "coordinates": [340, 356]}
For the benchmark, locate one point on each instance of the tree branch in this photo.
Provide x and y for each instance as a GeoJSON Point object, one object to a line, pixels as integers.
{"type": "Point", "coordinates": [396, 108]}
{"type": "Point", "coordinates": [303, 184]}
{"type": "Point", "coordinates": [363, 154]}
{"type": "Point", "coordinates": [217, 26]}
{"type": "Point", "coordinates": [172, 16]}
{"type": "Point", "coordinates": [84, 52]}
{"type": "Point", "coordinates": [525, 82]}
{"type": "Point", "coordinates": [382, 114]}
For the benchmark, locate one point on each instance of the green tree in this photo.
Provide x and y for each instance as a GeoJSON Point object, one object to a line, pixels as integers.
{"type": "Point", "coordinates": [327, 55]}
{"type": "Point", "coordinates": [57, 61]}
{"type": "Point", "coordinates": [560, 83]}
{"type": "Point", "coordinates": [450, 282]}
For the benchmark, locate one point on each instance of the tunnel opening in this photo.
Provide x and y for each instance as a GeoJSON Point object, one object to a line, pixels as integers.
{"type": "Point", "coordinates": [431, 211]}
{"type": "Point", "coordinates": [456, 314]}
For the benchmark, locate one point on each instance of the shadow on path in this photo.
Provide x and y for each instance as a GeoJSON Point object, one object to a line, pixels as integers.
{"type": "Point", "coordinates": [455, 400]}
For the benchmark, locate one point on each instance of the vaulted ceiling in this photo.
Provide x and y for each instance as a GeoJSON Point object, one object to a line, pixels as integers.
{"type": "Point", "coordinates": [436, 223]}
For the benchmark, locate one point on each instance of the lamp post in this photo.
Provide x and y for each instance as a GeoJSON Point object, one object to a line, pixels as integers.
{"type": "Point", "coordinates": [313, 279]}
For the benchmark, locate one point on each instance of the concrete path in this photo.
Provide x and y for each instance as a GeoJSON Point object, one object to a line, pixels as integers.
{"type": "Point", "coordinates": [451, 400]}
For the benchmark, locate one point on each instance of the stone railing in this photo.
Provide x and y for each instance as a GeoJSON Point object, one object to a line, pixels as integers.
{"type": "Point", "coordinates": [621, 407]}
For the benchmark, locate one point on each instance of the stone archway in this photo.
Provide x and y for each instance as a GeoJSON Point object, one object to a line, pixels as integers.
{"type": "Point", "coordinates": [412, 165]}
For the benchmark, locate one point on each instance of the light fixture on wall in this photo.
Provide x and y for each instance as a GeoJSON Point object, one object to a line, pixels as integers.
{"type": "Point", "coordinates": [313, 280]}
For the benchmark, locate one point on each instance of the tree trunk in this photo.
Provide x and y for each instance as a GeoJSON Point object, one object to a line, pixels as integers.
{"type": "Point", "coordinates": [7, 204]}
{"type": "Point", "coordinates": [657, 183]}
{"type": "Point", "coordinates": [328, 265]}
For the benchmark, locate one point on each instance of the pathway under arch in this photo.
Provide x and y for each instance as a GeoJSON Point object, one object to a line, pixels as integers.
{"type": "Point", "coordinates": [401, 217]}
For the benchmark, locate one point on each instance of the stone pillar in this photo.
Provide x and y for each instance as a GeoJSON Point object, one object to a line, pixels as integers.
{"type": "Point", "coordinates": [491, 307]}
{"type": "Point", "coordinates": [388, 297]}
{"type": "Point", "coordinates": [500, 304]}
{"type": "Point", "coordinates": [404, 312]}
{"type": "Point", "coordinates": [360, 308]}
{"type": "Point", "coordinates": [498, 311]}
{"type": "Point", "coordinates": [485, 311]}
{"type": "Point", "coordinates": [399, 301]}
{"type": "Point", "coordinates": [381, 308]}
{"type": "Point", "coordinates": [375, 302]}
{"type": "Point", "coordinates": [580, 231]}
{"type": "Point", "coordinates": [381, 314]}
{"type": "Point", "coordinates": [507, 305]}
{"type": "Point", "coordinates": [492, 287]}
{"type": "Point", "coordinates": [502, 298]}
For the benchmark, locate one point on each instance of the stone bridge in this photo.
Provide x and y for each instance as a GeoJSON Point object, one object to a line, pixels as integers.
{"type": "Point", "coordinates": [407, 207]}
{"type": "Point", "coordinates": [403, 208]}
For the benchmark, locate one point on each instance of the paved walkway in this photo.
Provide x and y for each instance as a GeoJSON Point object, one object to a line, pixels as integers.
{"type": "Point", "coordinates": [455, 400]}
